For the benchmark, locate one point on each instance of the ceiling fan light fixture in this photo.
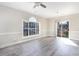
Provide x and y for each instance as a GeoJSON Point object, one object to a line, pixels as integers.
{"type": "Point", "coordinates": [38, 4]}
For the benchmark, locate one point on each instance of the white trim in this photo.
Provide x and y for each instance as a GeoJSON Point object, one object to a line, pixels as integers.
{"type": "Point", "coordinates": [21, 41]}
{"type": "Point", "coordinates": [30, 36]}
{"type": "Point", "coordinates": [74, 35]}
{"type": "Point", "coordinates": [9, 33]}
{"type": "Point", "coordinates": [28, 33]}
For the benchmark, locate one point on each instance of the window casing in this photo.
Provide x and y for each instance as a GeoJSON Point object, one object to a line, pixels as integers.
{"type": "Point", "coordinates": [30, 28]}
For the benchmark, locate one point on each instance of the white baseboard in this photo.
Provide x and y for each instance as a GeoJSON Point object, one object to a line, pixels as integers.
{"type": "Point", "coordinates": [74, 39]}
{"type": "Point", "coordinates": [52, 35]}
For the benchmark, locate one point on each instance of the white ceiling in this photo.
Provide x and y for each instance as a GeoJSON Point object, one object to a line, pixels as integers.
{"type": "Point", "coordinates": [53, 8]}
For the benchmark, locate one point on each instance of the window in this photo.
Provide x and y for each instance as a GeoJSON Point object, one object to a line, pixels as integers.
{"type": "Point", "coordinates": [25, 28]}
{"type": "Point", "coordinates": [31, 27]}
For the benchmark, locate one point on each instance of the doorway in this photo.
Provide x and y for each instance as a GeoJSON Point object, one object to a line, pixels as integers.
{"type": "Point", "coordinates": [63, 29]}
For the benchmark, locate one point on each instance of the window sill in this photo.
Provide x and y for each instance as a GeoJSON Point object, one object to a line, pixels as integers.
{"type": "Point", "coordinates": [30, 36]}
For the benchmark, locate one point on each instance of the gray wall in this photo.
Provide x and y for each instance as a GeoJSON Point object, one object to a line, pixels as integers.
{"type": "Point", "coordinates": [11, 26]}
{"type": "Point", "coordinates": [73, 25]}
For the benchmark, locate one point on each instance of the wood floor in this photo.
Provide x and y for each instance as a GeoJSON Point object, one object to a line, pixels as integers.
{"type": "Point", "coordinates": [49, 46]}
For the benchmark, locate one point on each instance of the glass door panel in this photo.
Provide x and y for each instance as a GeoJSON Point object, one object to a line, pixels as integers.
{"type": "Point", "coordinates": [63, 29]}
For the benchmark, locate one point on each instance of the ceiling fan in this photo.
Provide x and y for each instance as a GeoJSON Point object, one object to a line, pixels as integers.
{"type": "Point", "coordinates": [37, 4]}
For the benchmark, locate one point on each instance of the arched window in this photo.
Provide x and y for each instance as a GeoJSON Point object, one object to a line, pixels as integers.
{"type": "Point", "coordinates": [32, 19]}
{"type": "Point", "coordinates": [31, 27]}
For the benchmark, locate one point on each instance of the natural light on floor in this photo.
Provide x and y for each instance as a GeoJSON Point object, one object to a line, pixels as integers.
{"type": "Point", "coordinates": [67, 41]}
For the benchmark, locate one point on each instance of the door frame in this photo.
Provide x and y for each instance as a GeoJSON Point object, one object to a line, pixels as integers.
{"type": "Point", "coordinates": [57, 26]}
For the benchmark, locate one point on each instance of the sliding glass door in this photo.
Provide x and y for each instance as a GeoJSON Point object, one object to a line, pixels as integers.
{"type": "Point", "coordinates": [63, 29]}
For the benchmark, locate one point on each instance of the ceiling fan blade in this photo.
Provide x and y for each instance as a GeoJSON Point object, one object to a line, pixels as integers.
{"type": "Point", "coordinates": [43, 5]}
{"type": "Point", "coordinates": [36, 4]}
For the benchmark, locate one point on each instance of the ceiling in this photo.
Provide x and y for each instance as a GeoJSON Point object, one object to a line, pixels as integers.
{"type": "Point", "coordinates": [53, 8]}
